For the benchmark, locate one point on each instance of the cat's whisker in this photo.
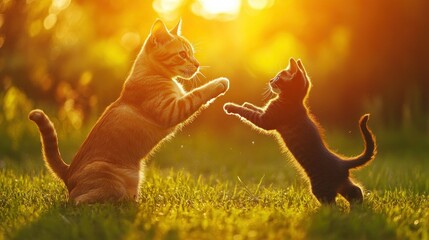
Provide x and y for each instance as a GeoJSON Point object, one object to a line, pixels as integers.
{"type": "Point", "coordinates": [202, 74]}
{"type": "Point", "coordinates": [196, 81]}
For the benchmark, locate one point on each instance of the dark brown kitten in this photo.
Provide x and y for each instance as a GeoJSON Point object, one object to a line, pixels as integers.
{"type": "Point", "coordinates": [289, 116]}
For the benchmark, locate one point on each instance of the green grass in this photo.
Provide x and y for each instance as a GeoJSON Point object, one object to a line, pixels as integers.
{"type": "Point", "coordinates": [203, 186]}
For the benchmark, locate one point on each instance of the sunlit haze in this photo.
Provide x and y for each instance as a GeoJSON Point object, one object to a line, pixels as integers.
{"type": "Point", "coordinates": [75, 54]}
{"type": "Point", "coordinates": [225, 9]}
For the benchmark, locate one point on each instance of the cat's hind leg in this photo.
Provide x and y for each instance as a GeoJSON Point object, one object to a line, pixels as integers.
{"type": "Point", "coordinates": [103, 182]}
{"type": "Point", "coordinates": [109, 191]}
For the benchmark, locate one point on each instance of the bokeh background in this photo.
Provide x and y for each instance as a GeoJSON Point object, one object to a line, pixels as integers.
{"type": "Point", "coordinates": [70, 58]}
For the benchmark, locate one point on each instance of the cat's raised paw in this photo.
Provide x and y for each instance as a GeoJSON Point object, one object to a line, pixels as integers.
{"type": "Point", "coordinates": [222, 84]}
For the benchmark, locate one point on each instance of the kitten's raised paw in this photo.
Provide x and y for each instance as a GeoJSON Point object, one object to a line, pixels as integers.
{"type": "Point", "coordinates": [228, 108]}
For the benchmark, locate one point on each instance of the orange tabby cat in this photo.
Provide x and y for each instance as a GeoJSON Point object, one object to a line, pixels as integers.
{"type": "Point", "coordinates": [152, 105]}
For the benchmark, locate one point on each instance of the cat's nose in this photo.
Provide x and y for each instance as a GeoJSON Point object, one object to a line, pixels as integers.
{"type": "Point", "coordinates": [196, 64]}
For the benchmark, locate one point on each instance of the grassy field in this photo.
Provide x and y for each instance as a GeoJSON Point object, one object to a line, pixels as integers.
{"type": "Point", "coordinates": [202, 186]}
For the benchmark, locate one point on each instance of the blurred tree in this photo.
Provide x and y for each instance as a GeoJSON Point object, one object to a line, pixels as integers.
{"type": "Point", "coordinates": [75, 54]}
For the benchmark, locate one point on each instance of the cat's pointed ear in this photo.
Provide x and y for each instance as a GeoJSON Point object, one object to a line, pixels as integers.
{"type": "Point", "coordinates": [293, 67]}
{"type": "Point", "coordinates": [159, 32]}
{"type": "Point", "coordinates": [177, 30]}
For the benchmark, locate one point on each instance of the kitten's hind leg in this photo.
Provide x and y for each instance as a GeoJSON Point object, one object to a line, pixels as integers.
{"type": "Point", "coordinates": [324, 195]}
{"type": "Point", "coordinates": [252, 107]}
{"type": "Point", "coordinates": [351, 192]}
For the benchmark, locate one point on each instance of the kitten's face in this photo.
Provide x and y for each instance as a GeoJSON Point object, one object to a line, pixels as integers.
{"type": "Point", "coordinates": [291, 82]}
{"type": "Point", "coordinates": [172, 53]}
{"type": "Point", "coordinates": [279, 83]}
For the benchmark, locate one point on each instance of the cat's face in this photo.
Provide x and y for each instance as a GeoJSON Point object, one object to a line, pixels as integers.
{"type": "Point", "coordinates": [291, 82]}
{"type": "Point", "coordinates": [170, 52]}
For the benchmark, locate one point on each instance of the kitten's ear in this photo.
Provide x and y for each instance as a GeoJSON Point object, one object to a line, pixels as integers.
{"type": "Point", "coordinates": [177, 30]}
{"type": "Point", "coordinates": [159, 33]}
{"type": "Point", "coordinates": [304, 73]}
{"type": "Point", "coordinates": [293, 67]}
{"type": "Point", "coordinates": [301, 66]}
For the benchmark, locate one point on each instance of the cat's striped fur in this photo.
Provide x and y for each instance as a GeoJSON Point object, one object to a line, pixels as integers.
{"type": "Point", "coordinates": [289, 116]}
{"type": "Point", "coordinates": [152, 105]}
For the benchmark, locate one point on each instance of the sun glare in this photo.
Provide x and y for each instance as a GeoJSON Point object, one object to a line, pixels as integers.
{"type": "Point", "coordinates": [209, 9]}
{"type": "Point", "coordinates": [59, 5]}
{"type": "Point", "coordinates": [166, 6]}
{"type": "Point", "coordinates": [260, 4]}
{"type": "Point", "coordinates": [217, 9]}
{"type": "Point", "coordinates": [167, 9]}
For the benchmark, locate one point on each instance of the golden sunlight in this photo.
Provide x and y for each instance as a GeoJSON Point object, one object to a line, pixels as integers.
{"type": "Point", "coordinates": [59, 5]}
{"type": "Point", "coordinates": [217, 9]}
{"type": "Point", "coordinates": [167, 9]}
{"type": "Point", "coordinates": [50, 21]}
{"type": "Point", "coordinates": [260, 4]}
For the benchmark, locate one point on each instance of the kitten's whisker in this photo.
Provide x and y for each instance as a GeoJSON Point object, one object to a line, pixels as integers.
{"type": "Point", "coordinates": [267, 94]}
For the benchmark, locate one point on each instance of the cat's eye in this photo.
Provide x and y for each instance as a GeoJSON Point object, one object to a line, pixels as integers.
{"type": "Point", "coordinates": [183, 54]}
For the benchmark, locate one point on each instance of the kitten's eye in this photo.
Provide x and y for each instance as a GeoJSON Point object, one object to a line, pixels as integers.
{"type": "Point", "coordinates": [183, 54]}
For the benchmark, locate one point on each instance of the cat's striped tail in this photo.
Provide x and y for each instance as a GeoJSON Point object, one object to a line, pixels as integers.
{"type": "Point", "coordinates": [370, 146]}
{"type": "Point", "coordinates": [49, 141]}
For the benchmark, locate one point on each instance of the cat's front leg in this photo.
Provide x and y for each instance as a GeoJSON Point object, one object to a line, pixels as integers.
{"type": "Point", "coordinates": [214, 88]}
{"type": "Point", "coordinates": [180, 109]}
{"type": "Point", "coordinates": [255, 117]}
{"type": "Point", "coordinates": [206, 93]}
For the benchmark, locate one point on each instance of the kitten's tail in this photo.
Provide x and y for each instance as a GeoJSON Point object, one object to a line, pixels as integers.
{"type": "Point", "coordinates": [370, 146]}
{"type": "Point", "coordinates": [49, 139]}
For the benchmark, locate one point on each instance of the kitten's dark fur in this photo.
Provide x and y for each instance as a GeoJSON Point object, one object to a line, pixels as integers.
{"type": "Point", "coordinates": [288, 114]}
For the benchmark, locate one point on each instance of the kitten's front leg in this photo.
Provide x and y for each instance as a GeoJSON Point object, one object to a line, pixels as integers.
{"type": "Point", "coordinates": [254, 116]}
{"type": "Point", "coordinates": [253, 107]}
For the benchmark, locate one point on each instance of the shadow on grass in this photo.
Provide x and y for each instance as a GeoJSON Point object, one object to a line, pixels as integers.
{"type": "Point", "coordinates": [98, 221]}
{"type": "Point", "coordinates": [360, 222]}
